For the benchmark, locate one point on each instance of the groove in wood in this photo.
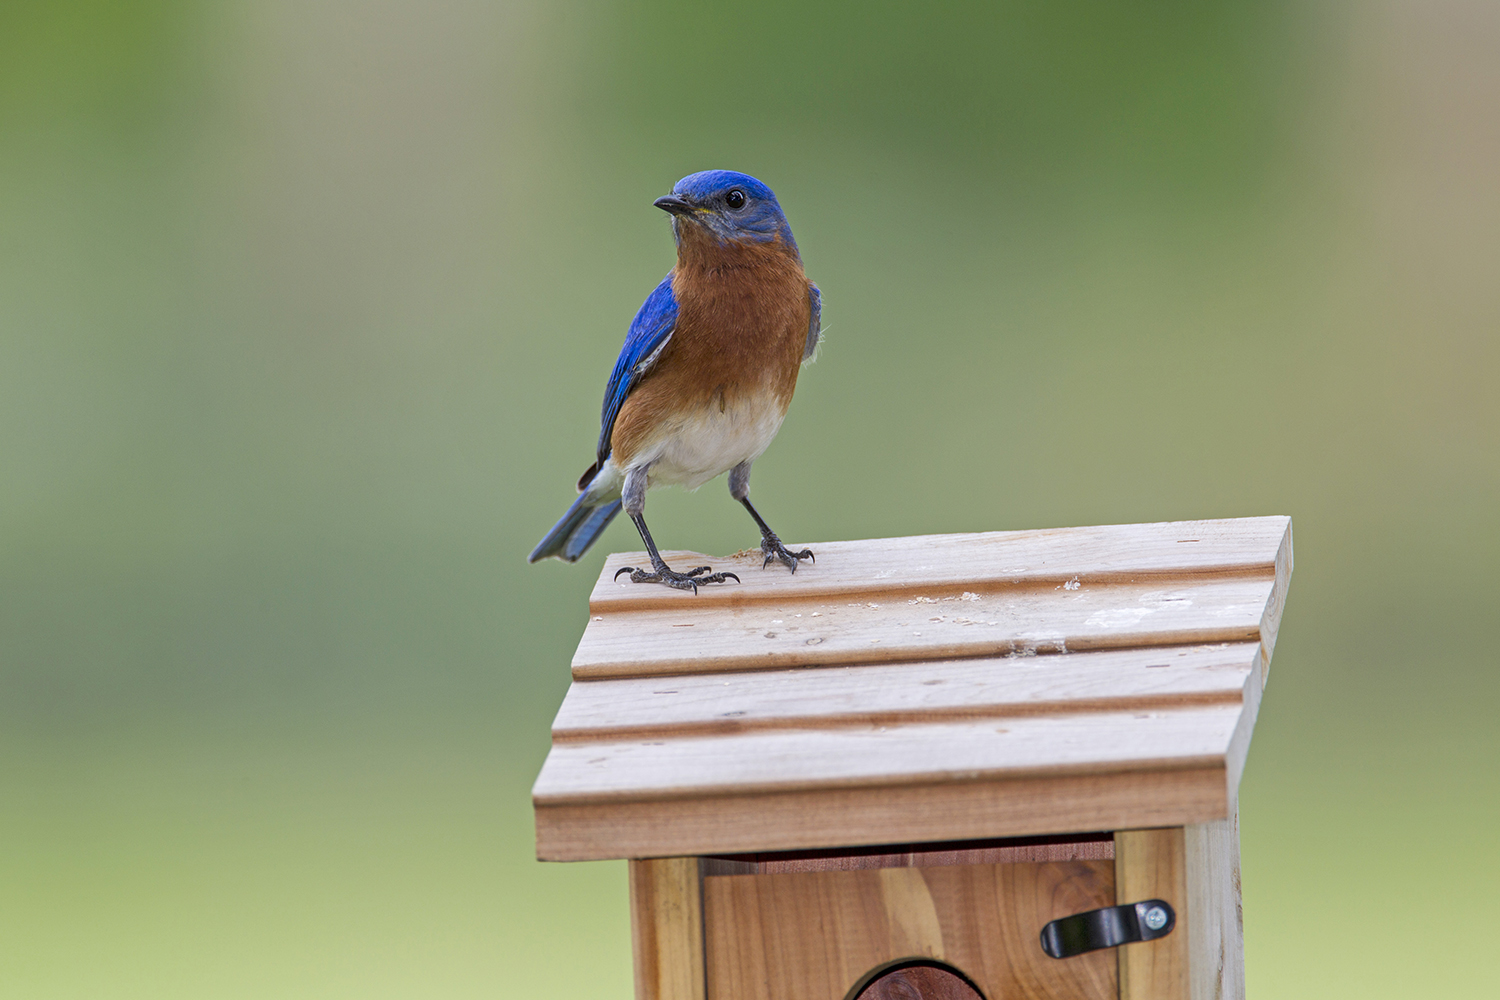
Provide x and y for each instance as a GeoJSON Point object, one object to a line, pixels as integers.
{"type": "Point", "coordinates": [889, 694]}
{"type": "Point", "coordinates": [1080, 847]}
{"type": "Point", "coordinates": [913, 625]}
{"type": "Point", "coordinates": [974, 561]}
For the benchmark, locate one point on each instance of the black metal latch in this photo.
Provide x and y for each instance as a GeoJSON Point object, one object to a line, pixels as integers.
{"type": "Point", "coordinates": [1108, 928]}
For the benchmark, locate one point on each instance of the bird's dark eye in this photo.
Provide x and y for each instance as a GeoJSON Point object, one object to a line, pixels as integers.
{"type": "Point", "coordinates": [735, 199]}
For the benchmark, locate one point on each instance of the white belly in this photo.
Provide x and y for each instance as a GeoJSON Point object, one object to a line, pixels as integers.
{"type": "Point", "coordinates": [695, 447]}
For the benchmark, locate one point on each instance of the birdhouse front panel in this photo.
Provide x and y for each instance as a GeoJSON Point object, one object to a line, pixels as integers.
{"type": "Point", "coordinates": [811, 934]}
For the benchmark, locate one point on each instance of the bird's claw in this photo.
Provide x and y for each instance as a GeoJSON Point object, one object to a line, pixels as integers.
{"type": "Point", "coordinates": [771, 547]}
{"type": "Point", "coordinates": [678, 581]}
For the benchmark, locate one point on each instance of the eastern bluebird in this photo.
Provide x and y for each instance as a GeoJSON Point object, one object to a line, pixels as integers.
{"type": "Point", "coordinates": [706, 374]}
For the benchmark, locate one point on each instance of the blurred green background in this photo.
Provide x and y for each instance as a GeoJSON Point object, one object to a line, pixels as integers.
{"type": "Point", "coordinates": [305, 313]}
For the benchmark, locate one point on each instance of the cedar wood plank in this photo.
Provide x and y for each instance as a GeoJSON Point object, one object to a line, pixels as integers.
{"type": "Point", "coordinates": [851, 817]}
{"type": "Point", "coordinates": [1151, 864]}
{"type": "Point", "coordinates": [666, 929]}
{"type": "Point", "coordinates": [1216, 926]}
{"type": "Point", "coordinates": [886, 694]}
{"type": "Point", "coordinates": [960, 561]}
{"type": "Point", "coordinates": [815, 935]}
{"type": "Point", "coordinates": [961, 750]}
{"type": "Point", "coordinates": [708, 638]}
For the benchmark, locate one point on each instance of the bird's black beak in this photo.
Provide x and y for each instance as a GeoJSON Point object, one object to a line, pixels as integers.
{"type": "Point", "coordinates": [675, 205]}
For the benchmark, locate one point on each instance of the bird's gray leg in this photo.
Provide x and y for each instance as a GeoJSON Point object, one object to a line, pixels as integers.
{"type": "Point", "coordinates": [634, 496]}
{"type": "Point", "coordinates": [770, 545]}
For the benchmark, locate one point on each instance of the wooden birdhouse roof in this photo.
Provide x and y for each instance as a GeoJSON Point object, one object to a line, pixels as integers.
{"type": "Point", "coordinates": [931, 688]}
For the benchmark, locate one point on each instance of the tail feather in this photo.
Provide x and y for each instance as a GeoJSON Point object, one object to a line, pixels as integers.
{"type": "Point", "coordinates": [571, 536]}
{"type": "Point", "coordinates": [589, 530]}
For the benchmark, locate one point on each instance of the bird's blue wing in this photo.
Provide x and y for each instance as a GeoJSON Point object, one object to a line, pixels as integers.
{"type": "Point", "coordinates": [815, 325]}
{"type": "Point", "coordinates": [649, 333]}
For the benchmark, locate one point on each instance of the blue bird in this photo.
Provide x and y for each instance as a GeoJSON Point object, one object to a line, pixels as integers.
{"type": "Point", "coordinates": [706, 374]}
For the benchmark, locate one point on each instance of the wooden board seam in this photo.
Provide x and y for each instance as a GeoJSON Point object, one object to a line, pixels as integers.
{"type": "Point", "coordinates": [1005, 649]}
{"type": "Point", "coordinates": [663, 599]}
{"type": "Point", "coordinates": [1166, 700]}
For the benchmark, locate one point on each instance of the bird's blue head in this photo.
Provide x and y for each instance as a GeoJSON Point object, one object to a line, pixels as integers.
{"type": "Point", "coordinates": [734, 207]}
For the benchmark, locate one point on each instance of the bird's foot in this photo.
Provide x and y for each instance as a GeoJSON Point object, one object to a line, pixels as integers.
{"type": "Point", "coordinates": [671, 578]}
{"type": "Point", "coordinates": [771, 548]}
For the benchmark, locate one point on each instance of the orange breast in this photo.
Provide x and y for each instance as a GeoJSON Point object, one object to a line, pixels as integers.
{"type": "Point", "coordinates": [742, 319]}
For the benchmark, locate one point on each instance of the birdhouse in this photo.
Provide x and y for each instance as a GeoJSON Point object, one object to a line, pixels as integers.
{"type": "Point", "coordinates": [988, 765]}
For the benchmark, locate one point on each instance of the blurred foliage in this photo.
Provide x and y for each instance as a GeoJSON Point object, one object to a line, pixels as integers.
{"type": "Point", "coordinates": [104, 63]}
{"type": "Point", "coordinates": [1166, 93]}
{"type": "Point", "coordinates": [304, 317]}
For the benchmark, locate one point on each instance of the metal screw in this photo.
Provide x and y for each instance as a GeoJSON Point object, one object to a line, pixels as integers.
{"type": "Point", "coordinates": [1156, 918]}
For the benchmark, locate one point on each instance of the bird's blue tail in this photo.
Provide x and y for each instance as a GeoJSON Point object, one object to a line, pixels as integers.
{"type": "Point", "coordinates": [572, 536]}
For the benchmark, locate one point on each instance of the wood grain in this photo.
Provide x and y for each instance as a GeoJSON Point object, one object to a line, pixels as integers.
{"type": "Point", "coordinates": [814, 935]}
{"type": "Point", "coordinates": [887, 694]}
{"type": "Point", "coordinates": [961, 751]}
{"type": "Point", "coordinates": [961, 561]}
{"type": "Point", "coordinates": [1023, 807]}
{"type": "Point", "coordinates": [1271, 621]}
{"type": "Point", "coordinates": [666, 929]}
{"type": "Point", "coordinates": [707, 638]}
{"type": "Point", "coordinates": [1216, 928]}
{"type": "Point", "coordinates": [1151, 864]}
{"type": "Point", "coordinates": [937, 688]}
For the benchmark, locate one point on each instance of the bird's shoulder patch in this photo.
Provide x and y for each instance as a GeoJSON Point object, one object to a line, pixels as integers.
{"type": "Point", "coordinates": [648, 336]}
